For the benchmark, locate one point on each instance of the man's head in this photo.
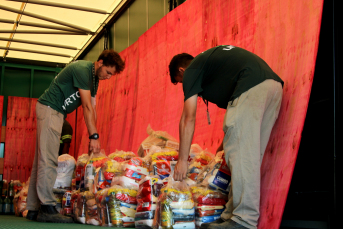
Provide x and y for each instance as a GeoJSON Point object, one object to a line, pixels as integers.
{"type": "Point", "coordinates": [108, 64]}
{"type": "Point", "coordinates": [178, 65]}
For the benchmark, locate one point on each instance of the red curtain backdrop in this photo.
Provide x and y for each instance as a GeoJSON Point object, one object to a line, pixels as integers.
{"type": "Point", "coordinates": [284, 33]}
{"type": "Point", "coordinates": [20, 139]}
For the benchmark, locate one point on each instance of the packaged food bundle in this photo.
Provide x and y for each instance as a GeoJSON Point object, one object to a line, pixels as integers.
{"type": "Point", "coordinates": [73, 203]}
{"type": "Point", "coordinates": [157, 138]}
{"type": "Point", "coordinates": [216, 175]}
{"type": "Point", "coordinates": [121, 155]}
{"type": "Point", "coordinates": [19, 201]}
{"type": "Point", "coordinates": [196, 165]}
{"type": "Point", "coordinates": [163, 168]}
{"type": "Point", "coordinates": [91, 209]}
{"type": "Point", "coordinates": [80, 170]}
{"type": "Point", "coordinates": [17, 186]}
{"type": "Point", "coordinates": [80, 210]}
{"type": "Point", "coordinates": [122, 204]}
{"type": "Point", "coordinates": [111, 168]}
{"type": "Point", "coordinates": [136, 168]}
{"type": "Point", "coordinates": [66, 204]}
{"type": "Point", "coordinates": [65, 170]}
{"type": "Point", "coordinates": [175, 206]}
{"type": "Point", "coordinates": [209, 204]}
{"type": "Point", "coordinates": [58, 193]}
{"type": "Point", "coordinates": [95, 161]}
{"type": "Point", "coordinates": [103, 215]}
{"type": "Point", "coordinates": [149, 190]}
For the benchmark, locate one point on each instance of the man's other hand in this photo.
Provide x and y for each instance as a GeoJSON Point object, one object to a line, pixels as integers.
{"type": "Point", "coordinates": [180, 170]}
{"type": "Point", "coordinates": [94, 146]}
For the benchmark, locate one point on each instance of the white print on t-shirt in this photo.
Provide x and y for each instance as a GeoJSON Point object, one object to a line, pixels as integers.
{"type": "Point", "coordinates": [68, 100]}
{"type": "Point", "coordinates": [228, 47]}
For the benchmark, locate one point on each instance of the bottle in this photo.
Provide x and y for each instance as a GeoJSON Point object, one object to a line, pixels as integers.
{"type": "Point", "coordinates": [6, 206]}
{"type": "Point", "coordinates": [11, 190]}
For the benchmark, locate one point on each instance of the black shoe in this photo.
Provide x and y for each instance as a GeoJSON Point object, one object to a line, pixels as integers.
{"type": "Point", "coordinates": [206, 225]}
{"type": "Point", "coordinates": [32, 215]}
{"type": "Point", "coordinates": [49, 214]}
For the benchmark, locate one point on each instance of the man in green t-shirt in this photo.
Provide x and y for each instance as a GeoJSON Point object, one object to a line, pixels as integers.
{"type": "Point", "coordinates": [75, 85]}
{"type": "Point", "coordinates": [243, 84]}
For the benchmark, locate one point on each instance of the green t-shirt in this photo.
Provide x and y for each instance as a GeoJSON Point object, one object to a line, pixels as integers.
{"type": "Point", "coordinates": [223, 73]}
{"type": "Point", "coordinates": [62, 94]}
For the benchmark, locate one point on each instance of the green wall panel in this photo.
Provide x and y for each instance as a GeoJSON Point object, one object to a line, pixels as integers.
{"type": "Point", "coordinates": [137, 20]}
{"type": "Point", "coordinates": [156, 11]}
{"type": "Point", "coordinates": [41, 81]}
{"type": "Point", "coordinates": [121, 32]}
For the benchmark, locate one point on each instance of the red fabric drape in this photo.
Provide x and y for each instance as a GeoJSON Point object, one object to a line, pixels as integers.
{"type": "Point", "coordinates": [284, 33]}
{"type": "Point", "coordinates": [1, 109]}
{"type": "Point", "coordinates": [20, 138]}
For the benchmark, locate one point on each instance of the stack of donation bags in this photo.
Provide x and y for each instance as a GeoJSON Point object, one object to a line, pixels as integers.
{"type": "Point", "coordinates": [122, 189]}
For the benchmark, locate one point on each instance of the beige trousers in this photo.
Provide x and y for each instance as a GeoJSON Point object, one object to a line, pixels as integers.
{"type": "Point", "coordinates": [43, 174]}
{"type": "Point", "coordinates": [248, 122]}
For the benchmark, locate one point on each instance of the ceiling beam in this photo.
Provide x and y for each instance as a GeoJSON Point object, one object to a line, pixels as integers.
{"type": "Point", "coordinates": [45, 18]}
{"type": "Point", "coordinates": [42, 32]}
{"type": "Point", "coordinates": [37, 43]}
{"type": "Point", "coordinates": [39, 25]}
{"type": "Point", "coordinates": [66, 6]}
{"type": "Point", "coordinates": [35, 51]}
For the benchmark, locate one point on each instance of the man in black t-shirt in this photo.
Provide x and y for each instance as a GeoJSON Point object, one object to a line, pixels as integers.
{"type": "Point", "coordinates": [243, 84]}
{"type": "Point", "coordinates": [66, 136]}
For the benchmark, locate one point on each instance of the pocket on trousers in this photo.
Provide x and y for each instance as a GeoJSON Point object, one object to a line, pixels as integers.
{"type": "Point", "coordinates": [56, 123]}
{"type": "Point", "coordinates": [229, 115]}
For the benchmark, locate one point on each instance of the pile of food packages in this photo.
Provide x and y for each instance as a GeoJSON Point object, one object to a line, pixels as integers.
{"type": "Point", "coordinates": [124, 189]}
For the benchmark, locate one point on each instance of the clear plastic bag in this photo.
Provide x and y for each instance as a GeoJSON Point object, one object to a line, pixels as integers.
{"type": "Point", "coordinates": [80, 171]}
{"type": "Point", "coordinates": [95, 161]}
{"type": "Point", "coordinates": [157, 138]}
{"type": "Point", "coordinates": [175, 206]}
{"type": "Point", "coordinates": [91, 209]}
{"type": "Point", "coordinates": [209, 204]}
{"type": "Point", "coordinates": [120, 155]}
{"type": "Point", "coordinates": [196, 165]}
{"type": "Point", "coordinates": [122, 204]}
{"type": "Point", "coordinates": [65, 170]}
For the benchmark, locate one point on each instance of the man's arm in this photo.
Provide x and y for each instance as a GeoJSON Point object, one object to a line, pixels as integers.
{"type": "Point", "coordinates": [89, 115]}
{"type": "Point", "coordinates": [186, 131]}
{"type": "Point", "coordinates": [93, 99]}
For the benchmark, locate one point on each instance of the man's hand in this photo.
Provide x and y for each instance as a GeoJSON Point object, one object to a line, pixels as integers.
{"type": "Point", "coordinates": [180, 170]}
{"type": "Point", "coordinates": [94, 146]}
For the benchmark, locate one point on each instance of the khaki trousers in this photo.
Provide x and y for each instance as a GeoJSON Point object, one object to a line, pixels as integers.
{"type": "Point", "coordinates": [43, 174]}
{"type": "Point", "coordinates": [248, 122]}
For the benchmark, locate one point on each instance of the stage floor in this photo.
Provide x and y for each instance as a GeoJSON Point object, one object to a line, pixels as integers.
{"type": "Point", "coordinates": [14, 222]}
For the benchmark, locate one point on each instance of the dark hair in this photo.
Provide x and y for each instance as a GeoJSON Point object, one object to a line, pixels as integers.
{"type": "Point", "coordinates": [179, 60]}
{"type": "Point", "coordinates": [112, 58]}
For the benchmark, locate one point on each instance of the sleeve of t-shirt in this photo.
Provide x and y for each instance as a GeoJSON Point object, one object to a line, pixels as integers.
{"type": "Point", "coordinates": [81, 78]}
{"type": "Point", "coordinates": [192, 79]}
{"type": "Point", "coordinates": [67, 133]}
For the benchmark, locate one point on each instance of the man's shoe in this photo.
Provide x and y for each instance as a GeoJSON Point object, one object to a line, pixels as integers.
{"type": "Point", "coordinates": [32, 215]}
{"type": "Point", "coordinates": [206, 225]}
{"type": "Point", "coordinates": [229, 224]}
{"type": "Point", "coordinates": [49, 214]}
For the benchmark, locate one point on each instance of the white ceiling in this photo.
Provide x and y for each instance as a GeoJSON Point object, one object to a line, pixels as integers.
{"type": "Point", "coordinates": [87, 20]}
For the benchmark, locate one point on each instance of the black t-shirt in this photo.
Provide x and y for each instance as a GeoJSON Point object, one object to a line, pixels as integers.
{"type": "Point", "coordinates": [66, 135]}
{"type": "Point", "coordinates": [223, 73]}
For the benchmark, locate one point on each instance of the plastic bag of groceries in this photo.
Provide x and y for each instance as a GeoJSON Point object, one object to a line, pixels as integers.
{"type": "Point", "coordinates": [19, 201]}
{"type": "Point", "coordinates": [157, 138]}
{"type": "Point", "coordinates": [147, 195]}
{"type": "Point", "coordinates": [73, 203]}
{"type": "Point", "coordinates": [80, 171]}
{"type": "Point", "coordinates": [133, 171]}
{"type": "Point", "coordinates": [65, 170]}
{"type": "Point", "coordinates": [100, 207]}
{"type": "Point", "coordinates": [163, 163]}
{"type": "Point", "coordinates": [120, 155]}
{"type": "Point", "coordinates": [209, 204]}
{"type": "Point", "coordinates": [122, 204]}
{"type": "Point", "coordinates": [95, 161]}
{"type": "Point", "coordinates": [196, 165]}
{"type": "Point", "coordinates": [17, 186]}
{"type": "Point", "coordinates": [175, 206]}
{"type": "Point", "coordinates": [80, 210]}
{"type": "Point", "coordinates": [216, 175]}
{"type": "Point", "coordinates": [91, 209]}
